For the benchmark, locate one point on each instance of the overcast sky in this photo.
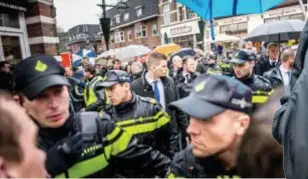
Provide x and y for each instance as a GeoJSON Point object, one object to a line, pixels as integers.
{"type": "Point", "coordinates": [75, 12]}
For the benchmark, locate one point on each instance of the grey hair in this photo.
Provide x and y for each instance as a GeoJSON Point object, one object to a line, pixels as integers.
{"type": "Point", "coordinates": [138, 64]}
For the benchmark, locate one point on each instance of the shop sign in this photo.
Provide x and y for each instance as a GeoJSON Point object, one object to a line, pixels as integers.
{"type": "Point", "coordinates": [17, 5]}
{"type": "Point", "coordinates": [282, 12]}
{"type": "Point", "coordinates": [183, 29]}
{"type": "Point", "coordinates": [234, 20]}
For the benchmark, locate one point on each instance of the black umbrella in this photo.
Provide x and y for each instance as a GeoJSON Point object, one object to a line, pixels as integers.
{"type": "Point", "coordinates": [278, 31]}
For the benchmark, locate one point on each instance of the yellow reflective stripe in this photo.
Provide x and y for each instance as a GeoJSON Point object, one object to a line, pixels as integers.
{"type": "Point", "coordinates": [133, 121]}
{"type": "Point", "coordinates": [95, 80]}
{"type": "Point", "coordinates": [119, 145]}
{"type": "Point", "coordinates": [171, 175]}
{"type": "Point", "coordinates": [259, 99]}
{"type": "Point", "coordinates": [147, 127]}
{"type": "Point", "coordinates": [92, 97]}
{"type": "Point", "coordinates": [113, 134]}
{"type": "Point", "coordinates": [86, 167]}
{"type": "Point", "coordinates": [271, 92]}
{"type": "Point", "coordinates": [264, 92]}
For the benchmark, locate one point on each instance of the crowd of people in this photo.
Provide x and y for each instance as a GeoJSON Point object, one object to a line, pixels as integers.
{"type": "Point", "coordinates": [207, 115]}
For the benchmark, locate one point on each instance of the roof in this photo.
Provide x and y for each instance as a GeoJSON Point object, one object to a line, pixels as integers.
{"type": "Point", "coordinates": [149, 8]}
{"type": "Point", "coordinates": [85, 28]}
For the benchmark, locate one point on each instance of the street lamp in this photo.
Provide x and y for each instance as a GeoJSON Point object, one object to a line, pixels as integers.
{"type": "Point", "coordinates": [105, 21]}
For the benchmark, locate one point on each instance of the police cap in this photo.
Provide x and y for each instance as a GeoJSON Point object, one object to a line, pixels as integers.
{"type": "Point", "coordinates": [114, 77]}
{"type": "Point", "coordinates": [37, 73]}
{"type": "Point", "coordinates": [213, 94]}
{"type": "Point", "coordinates": [242, 57]}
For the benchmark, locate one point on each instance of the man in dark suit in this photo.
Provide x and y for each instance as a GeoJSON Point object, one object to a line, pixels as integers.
{"type": "Point", "coordinates": [269, 61]}
{"type": "Point", "coordinates": [281, 74]}
{"type": "Point", "coordinates": [155, 83]}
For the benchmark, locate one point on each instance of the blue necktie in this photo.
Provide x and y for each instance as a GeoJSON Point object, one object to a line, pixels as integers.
{"type": "Point", "coordinates": [156, 91]}
{"type": "Point", "coordinates": [289, 74]}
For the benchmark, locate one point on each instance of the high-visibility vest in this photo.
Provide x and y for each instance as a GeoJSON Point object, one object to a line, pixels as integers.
{"type": "Point", "coordinates": [89, 94]}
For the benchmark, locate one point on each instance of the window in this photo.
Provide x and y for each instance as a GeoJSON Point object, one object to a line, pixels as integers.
{"type": "Point", "coordinates": [126, 16]}
{"type": "Point", "coordinates": [181, 14]}
{"type": "Point", "coordinates": [141, 31]}
{"type": "Point", "coordinates": [298, 16]}
{"type": "Point", "coordinates": [270, 20]}
{"type": "Point", "coordinates": [166, 14]}
{"type": "Point", "coordinates": [85, 28]}
{"type": "Point", "coordinates": [112, 38]}
{"type": "Point", "coordinates": [139, 12]}
{"type": "Point", "coordinates": [154, 29]}
{"type": "Point", "coordinates": [10, 19]}
{"type": "Point", "coordinates": [129, 35]}
{"type": "Point", "coordinates": [117, 19]}
{"type": "Point", "coordinates": [119, 37]}
{"type": "Point", "coordinates": [189, 13]}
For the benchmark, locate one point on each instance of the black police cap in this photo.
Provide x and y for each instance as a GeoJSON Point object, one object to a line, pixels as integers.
{"type": "Point", "coordinates": [37, 73]}
{"type": "Point", "coordinates": [213, 94]}
{"type": "Point", "coordinates": [242, 56]}
{"type": "Point", "coordinates": [114, 77]}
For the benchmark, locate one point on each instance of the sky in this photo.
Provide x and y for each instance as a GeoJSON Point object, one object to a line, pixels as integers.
{"type": "Point", "coordinates": [75, 12]}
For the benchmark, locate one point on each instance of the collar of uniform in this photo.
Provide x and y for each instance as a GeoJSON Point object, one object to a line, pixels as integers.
{"type": "Point", "coordinates": [247, 80]}
{"type": "Point", "coordinates": [127, 104]}
{"type": "Point", "coordinates": [56, 134]}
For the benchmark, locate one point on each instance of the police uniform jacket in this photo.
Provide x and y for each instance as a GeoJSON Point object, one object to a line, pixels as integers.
{"type": "Point", "coordinates": [186, 165]}
{"type": "Point", "coordinates": [145, 118]}
{"type": "Point", "coordinates": [106, 150]}
{"type": "Point", "coordinates": [260, 86]}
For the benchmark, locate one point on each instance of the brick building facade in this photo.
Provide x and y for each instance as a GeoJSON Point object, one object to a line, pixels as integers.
{"type": "Point", "coordinates": [29, 26]}
{"type": "Point", "coordinates": [139, 24]}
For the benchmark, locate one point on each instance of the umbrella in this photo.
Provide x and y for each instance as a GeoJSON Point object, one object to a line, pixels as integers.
{"type": "Point", "coordinates": [108, 54]}
{"type": "Point", "coordinates": [223, 8]}
{"type": "Point", "coordinates": [77, 58]}
{"type": "Point", "coordinates": [131, 51]}
{"type": "Point", "coordinates": [184, 52]}
{"type": "Point", "coordinates": [277, 31]}
{"type": "Point", "coordinates": [211, 9]}
{"type": "Point", "coordinates": [167, 49]}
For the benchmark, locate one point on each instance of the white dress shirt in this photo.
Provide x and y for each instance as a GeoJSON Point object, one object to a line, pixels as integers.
{"type": "Point", "coordinates": [160, 88]}
{"type": "Point", "coordinates": [186, 76]}
{"type": "Point", "coordinates": [273, 61]}
{"type": "Point", "coordinates": [285, 76]}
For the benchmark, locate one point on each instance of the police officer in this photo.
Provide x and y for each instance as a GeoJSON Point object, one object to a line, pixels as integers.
{"type": "Point", "coordinates": [77, 144]}
{"type": "Point", "coordinates": [141, 116]}
{"type": "Point", "coordinates": [243, 65]}
{"type": "Point", "coordinates": [93, 98]}
{"type": "Point", "coordinates": [219, 108]}
{"type": "Point", "coordinates": [212, 66]}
